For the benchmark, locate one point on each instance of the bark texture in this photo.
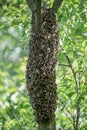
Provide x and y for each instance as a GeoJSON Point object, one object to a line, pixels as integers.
{"type": "Point", "coordinates": [41, 71]}
{"type": "Point", "coordinates": [47, 126]}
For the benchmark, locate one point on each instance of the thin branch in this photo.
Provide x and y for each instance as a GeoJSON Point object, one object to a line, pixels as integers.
{"type": "Point", "coordinates": [68, 117]}
{"type": "Point", "coordinates": [63, 65]}
{"type": "Point", "coordinates": [78, 106]}
{"type": "Point", "coordinates": [72, 120]}
{"type": "Point", "coordinates": [66, 108]}
{"type": "Point", "coordinates": [16, 118]}
{"type": "Point", "coordinates": [56, 5]}
{"type": "Point", "coordinates": [76, 125]}
{"type": "Point", "coordinates": [78, 115]}
{"type": "Point", "coordinates": [73, 72]}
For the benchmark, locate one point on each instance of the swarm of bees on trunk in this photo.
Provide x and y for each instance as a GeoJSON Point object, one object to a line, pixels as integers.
{"type": "Point", "coordinates": [41, 68]}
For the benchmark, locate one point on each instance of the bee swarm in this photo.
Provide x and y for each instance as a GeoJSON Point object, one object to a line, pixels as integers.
{"type": "Point", "coordinates": [41, 68]}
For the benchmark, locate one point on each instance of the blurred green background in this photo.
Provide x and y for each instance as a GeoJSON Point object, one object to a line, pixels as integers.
{"type": "Point", "coordinates": [15, 110]}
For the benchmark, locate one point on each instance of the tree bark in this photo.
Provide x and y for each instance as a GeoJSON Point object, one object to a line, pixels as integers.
{"type": "Point", "coordinates": [47, 126]}
{"type": "Point", "coordinates": [31, 4]}
{"type": "Point", "coordinates": [56, 5]}
{"type": "Point", "coordinates": [38, 16]}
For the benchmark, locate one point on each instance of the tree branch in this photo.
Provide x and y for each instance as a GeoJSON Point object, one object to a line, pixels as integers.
{"type": "Point", "coordinates": [56, 5]}
{"type": "Point", "coordinates": [73, 72]}
{"type": "Point", "coordinates": [67, 111]}
{"type": "Point", "coordinates": [64, 65]}
{"type": "Point", "coordinates": [31, 4]}
{"type": "Point", "coordinates": [76, 125]}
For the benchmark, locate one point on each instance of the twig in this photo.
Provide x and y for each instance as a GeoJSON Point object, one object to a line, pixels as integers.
{"type": "Point", "coordinates": [78, 106]}
{"type": "Point", "coordinates": [73, 122]}
{"type": "Point", "coordinates": [17, 120]}
{"type": "Point", "coordinates": [63, 65]}
{"type": "Point", "coordinates": [66, 108]}
{"type": "Point", "coordinates": [68, 117]}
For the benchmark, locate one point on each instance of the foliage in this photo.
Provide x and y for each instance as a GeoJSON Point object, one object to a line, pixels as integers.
{"type": "Point", "coordinates": [72, 58]}
{"type": "Point", "coordinates": [15, 110]}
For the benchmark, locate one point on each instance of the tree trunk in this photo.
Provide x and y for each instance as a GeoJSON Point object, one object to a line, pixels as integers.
{"type": "Point", "coordinates": [41, 66]}
{"type": "Point", "coordinates": [38, 16]}
{"type": "Point", "coordinates": [47, 126]}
